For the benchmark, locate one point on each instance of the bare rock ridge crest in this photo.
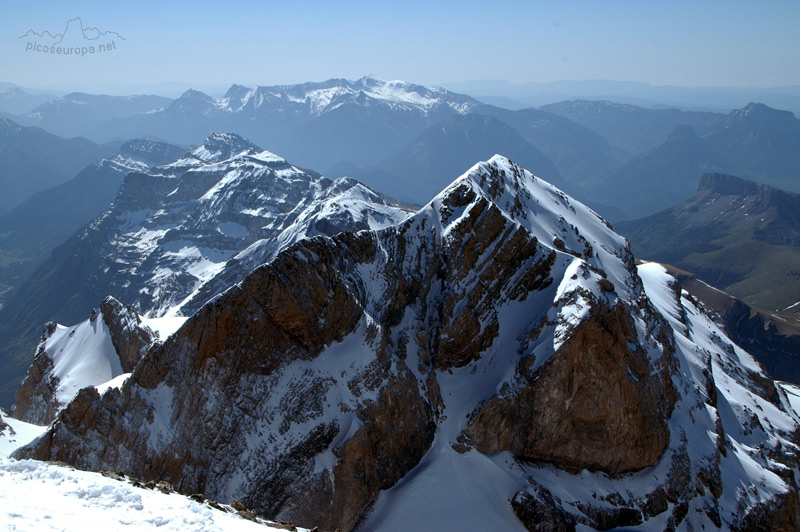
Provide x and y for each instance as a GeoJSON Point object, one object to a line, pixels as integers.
{"type": "Point", "coordinates": [503, 324]}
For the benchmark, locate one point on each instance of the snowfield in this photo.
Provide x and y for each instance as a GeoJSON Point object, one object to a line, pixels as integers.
{"type": "Point", "coordinates": [16, 434]}
{"type": "Point", "coordinates": [38, 496]}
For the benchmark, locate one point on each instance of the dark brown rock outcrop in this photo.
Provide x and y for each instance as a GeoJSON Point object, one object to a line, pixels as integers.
{"type": "Point", "coordinates": [131, 339]}
{"type": "Point", "coordinates": [35, 398]}
{"type": "Point", "coordinates": [595, 404]}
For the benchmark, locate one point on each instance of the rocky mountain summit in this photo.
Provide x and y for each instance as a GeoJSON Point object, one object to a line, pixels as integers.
{"type": "Point", "coordinates": [207, 217]}
{"type": "Point", "coordinates": [495, 361]}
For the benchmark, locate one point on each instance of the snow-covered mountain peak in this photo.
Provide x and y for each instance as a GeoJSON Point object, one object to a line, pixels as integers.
{"type": "Point", "coordinates": [139, 155]}
{"type": "Point", "coordinates": [223, 208]}
{"type": "Point", "coordinates": [236, 90]}
{"type": "Point", "coordinates": [125, 163]}
{"type": "Point", "coordinates": [220, 147]}
{"type": "Point", "coordinates": [354, 187]}
{"type": "Point", "coordinates": [557, 221]}
{"type": "Point", "coordinates": [149, 152]}
{"type": "Point", "coordinates": [373, 79]}
{"type": "Point", "coordinates": [319, 98]}
{"type": "Point", "coordinates": [759, 111]}
{"type": "Point", "coordinates": [192, 102]}
{"type": "Point", "coordinates": [100, 351]}
{"type": "Point", "coordinates": [411, 94]}
{"type": "Point", "coordinates": [372, 83]}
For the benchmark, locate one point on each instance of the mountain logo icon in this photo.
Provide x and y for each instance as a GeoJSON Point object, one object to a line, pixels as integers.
{"type": "Point", "coordinates": [75, 39]}
{"type": "Point", "coordinates": [89, 33]}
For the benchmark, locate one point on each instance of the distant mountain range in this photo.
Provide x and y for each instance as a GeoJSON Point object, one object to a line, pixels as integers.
{"type": "Point", "coordinates": [315, 124]}
{"type": "Point", "coordinates": [399, 138]}
{"type": "Point", "coordinates": [418, 171]}
{"type": "Point", "coordinates": [560, 149]}
{"type": "Point", "coordinates": [83, 115]}
{"type": "Point", "coordinates": [604, 153]}
{"type": "Point", "coordinates": [17, 101]}
{"type": "Point", "coordinates": [718, 99]}
{"type": "Point", "coordinates": [738, 235]}
{"type": "Point", "coordinates": [31, 159]}
{"type": "Point", "coordinates": [630, 128]}
{"type": "Point", "coordinates": [656, 179]}
{"type": "Point", "coordinates": [756, 142]}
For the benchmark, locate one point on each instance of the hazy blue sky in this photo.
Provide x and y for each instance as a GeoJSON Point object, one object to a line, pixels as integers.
{"type": "Point", "coordinates": [690, 43]}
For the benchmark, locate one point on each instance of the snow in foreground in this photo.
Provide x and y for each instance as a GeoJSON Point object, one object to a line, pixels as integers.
{"type": "Point", "coordinates": [16, 433]}
{"type": "Point", "coordinates": [38, 496]}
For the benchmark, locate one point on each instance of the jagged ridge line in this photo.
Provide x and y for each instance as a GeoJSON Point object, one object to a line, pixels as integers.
{"type": "Point", "coordinates": [61, 36]}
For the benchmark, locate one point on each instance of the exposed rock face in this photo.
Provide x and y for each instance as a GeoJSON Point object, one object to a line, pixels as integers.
{"type": "Point", "coordinates": [539, 511]}
{"type": "Point", "coordinates": [469, 324]}
{"type": "Point", "coordinates": [720, 391]}
{"type": "Point", "coordinates": [596, 404]}
{"type": "Point", "coordinates": [35, 396]}
{"type": "Point", "coordinates": [397, 432]}
{"type": "Point", "coordinates": [131, 339]}
{"type": "Point", "coordinates": [111, 342]}
{"type": "Point", "coordinates": [782, 513]}
{"type": "Point", "coordinates": [463, 336]}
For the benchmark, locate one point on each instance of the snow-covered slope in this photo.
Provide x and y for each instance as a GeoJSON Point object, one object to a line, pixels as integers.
{"type": "Point", "coordinates": [345, 204]}
{"type": "Point", "coordinates": [83, 355]}
{"type": "Point", "coordinates": [793, 394]}
{"type": "Point", "coordinates": [100, 351]}
{"type": "Point", "coordinates": [15, 433]}
{"type": "Point", "coordinates": [37, 496]}
{"type": "Point", "coordinates": [494, 361]}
